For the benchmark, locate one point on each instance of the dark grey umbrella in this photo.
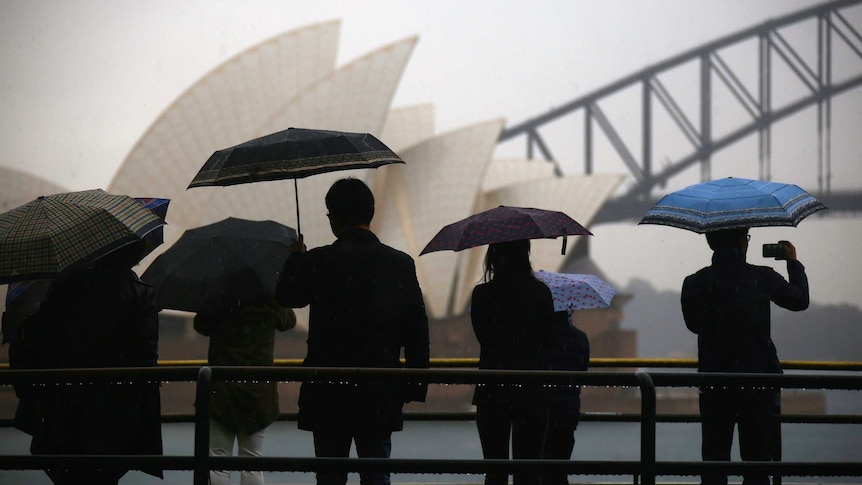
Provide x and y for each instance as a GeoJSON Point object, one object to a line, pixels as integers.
{"type": "Point", "coordinates": [293, 154]}
{"type": "Point", "coordinates": [220, 264]}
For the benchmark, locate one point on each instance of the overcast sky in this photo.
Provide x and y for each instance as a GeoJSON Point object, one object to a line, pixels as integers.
{"type": "Point", "coordinates": [82, 80]}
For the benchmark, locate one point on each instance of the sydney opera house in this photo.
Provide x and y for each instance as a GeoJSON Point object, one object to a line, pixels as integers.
{"type": "Point", "coordinates": [293, 81]}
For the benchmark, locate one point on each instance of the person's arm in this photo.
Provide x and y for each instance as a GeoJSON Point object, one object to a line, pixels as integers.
{"type": "Point", "coordinates": [293, 288]}
{"type": "Point", "coordinates": [417, 350]}
{"type": "Point", "coordinates": [692, 303]}
{"type": "Point", "coordinates": [481, 312]}
{"type": "Point", "coordinates": [205, 323]}
{"type": "Point", "coordinates": [792, 295]}
{"type": "Point", "coordinates": [151, 327]}
{"type": "Point", "coordinates": [285, 318]}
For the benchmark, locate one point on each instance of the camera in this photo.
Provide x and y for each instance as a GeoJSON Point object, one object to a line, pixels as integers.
{"type": "Point", "coordinates": [776, 250]}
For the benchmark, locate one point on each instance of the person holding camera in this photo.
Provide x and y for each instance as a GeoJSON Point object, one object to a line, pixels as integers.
{"type": "Point", "coordinates": [727, 304]}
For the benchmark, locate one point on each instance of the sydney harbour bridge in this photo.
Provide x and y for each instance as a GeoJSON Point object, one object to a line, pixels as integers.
{"type": "Point", "coordinates": [747, 82]}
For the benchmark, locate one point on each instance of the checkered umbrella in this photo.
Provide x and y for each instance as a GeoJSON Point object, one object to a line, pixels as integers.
{"type": "Point", "coordinates": [58, 233]}
{"type": "Point", "coordinates": [573, 291]}
{"type": "Point", "coordinates": [503, 224]}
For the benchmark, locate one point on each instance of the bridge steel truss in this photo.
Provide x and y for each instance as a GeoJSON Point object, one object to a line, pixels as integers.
{"type": "Point", "coordinates": [832, 26]}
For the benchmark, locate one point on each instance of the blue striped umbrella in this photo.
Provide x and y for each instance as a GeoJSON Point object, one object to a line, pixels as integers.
{"type": "Point", "coordinates": [733, 203]}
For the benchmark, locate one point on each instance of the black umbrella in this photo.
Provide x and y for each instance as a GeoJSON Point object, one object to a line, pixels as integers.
{"type": "Point", "coordinates": [220, 264]}
{"type": "Point", "coordinates": [293, 154]}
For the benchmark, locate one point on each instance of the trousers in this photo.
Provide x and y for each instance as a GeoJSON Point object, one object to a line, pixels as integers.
{"type": "Point", "coordinates": [336, 443]}
{"type": "Point", "coordinates": [755, 413]}
{"type": "Point", "coordinates": [525, 424]}
{"type": "Point", "coordinates": [248, 444]}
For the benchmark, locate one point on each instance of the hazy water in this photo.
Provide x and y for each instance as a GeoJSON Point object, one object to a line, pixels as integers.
{"type": "Point", "coordinates": [458, 440]}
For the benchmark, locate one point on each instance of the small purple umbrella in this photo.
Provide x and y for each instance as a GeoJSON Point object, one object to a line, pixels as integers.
{"type": "Point", "coordinates": [577, 291]}
{"type": "Point", "coordinates": [503, 224]}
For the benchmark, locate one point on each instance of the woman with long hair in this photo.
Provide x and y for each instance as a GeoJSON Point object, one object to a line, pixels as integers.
{"type": "Point", "coordinates": [512, 314]}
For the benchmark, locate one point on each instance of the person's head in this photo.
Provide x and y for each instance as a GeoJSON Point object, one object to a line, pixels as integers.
{"type": "Point", "coordinates": [350, 204]}
{"type": "Point", "coordinates": [728, 240]}
{"type": "Point", "coordinates": [509, 260]}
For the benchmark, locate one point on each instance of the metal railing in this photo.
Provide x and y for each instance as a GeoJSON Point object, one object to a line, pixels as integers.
{"type": "Point", "coordinates": [645, 470]}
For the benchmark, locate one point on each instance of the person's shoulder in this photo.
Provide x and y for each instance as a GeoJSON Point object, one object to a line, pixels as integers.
{"type": "Point", "coordinates": [758, 269]}
{"type": "Point", "coordinates": [397, 253]}
{"type": "Point", "coordinates": [481, 289]}
{"type": "Point", "coordinates": [699, 274]}
{"type": "Point", "coordinates": [390, 252]}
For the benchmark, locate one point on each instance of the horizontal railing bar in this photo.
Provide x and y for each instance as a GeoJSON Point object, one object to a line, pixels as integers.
{"type": "Point", "coordinates": [738, 380]}
{"type": "Point", "coordinates": [423, 465]}
{"type": "Point", "coordinates": [597, 417]}
{"type": "Point", "coordinates": [432, 376]}
{"type": "Point", "coordinates": [433, 466]}
{"type": "Point", "coordinates": [596, 362]}
{"type": "Point", "coordinates": [137, 462]}
{"type": "Point", "coordinates": [785, 469]}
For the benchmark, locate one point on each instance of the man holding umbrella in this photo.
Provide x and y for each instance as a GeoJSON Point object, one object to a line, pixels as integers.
{"type": "Point", "coordinates": [366, 305]}
{"type": "Point", "coordinates": [727, 305]}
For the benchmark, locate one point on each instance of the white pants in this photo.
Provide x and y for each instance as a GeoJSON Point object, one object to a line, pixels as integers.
{"type": "Point", "coordinates": [221, 444]}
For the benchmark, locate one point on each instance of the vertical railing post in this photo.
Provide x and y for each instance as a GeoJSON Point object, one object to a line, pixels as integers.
{"type": "Point", "coordinates": [202, 426]}
{"type": "Point", "coordinates": [648, 420]}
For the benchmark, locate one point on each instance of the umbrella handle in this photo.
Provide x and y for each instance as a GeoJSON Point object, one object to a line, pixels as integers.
{"type": "Point", "coordinates": [296, 193]}
{"type": "Point", "coordinates": [565, 242]}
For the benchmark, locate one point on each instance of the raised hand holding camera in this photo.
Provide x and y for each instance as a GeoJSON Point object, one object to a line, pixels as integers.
{"type": "Point", "coordinates": [783, 250]}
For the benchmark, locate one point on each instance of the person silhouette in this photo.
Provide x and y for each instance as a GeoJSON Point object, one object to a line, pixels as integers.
{"type": "Point", "coordinates": [512, 315]}
{"type": "Point", "coordinates": [101, 316]}
{"type": "Point", "coordinates": [241, 411]}
{"type": "Point", "coordinates": [568, 350]}
{"type": "Point", "coordinates": [727, 304]}
{"type": "Point", "coordinates": [366, 306]}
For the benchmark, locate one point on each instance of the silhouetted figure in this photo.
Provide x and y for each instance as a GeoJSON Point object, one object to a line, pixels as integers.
{"type": "Point", "coordinates": [24, 329]}
{"type": "Point", "coordinates": [101, 316]}
{"type": "Point", "coordinates": [512, 314]}
{"type": "Point", "coordinates": [727, 304]}
{"type": "Point", "coordinates": [569, 350]}
{"type": "Point", "coordinates": [240, 412]}
{"type": "Point", "coordinates": [366, 306]}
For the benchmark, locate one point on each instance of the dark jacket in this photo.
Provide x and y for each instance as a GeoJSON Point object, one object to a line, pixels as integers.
{"type": "Point", "coordinates": [366, 306]}
{"type": "Point", "coordinates": [102, 317]}
{"type": "Point", "coordinates": [244, 336]}
{"type": "Point", "coordinates": [727, 305]}
{"type": "Point", "coordinates": [569, 350]}
{"type": "Point", "coordinates": [512, 321]}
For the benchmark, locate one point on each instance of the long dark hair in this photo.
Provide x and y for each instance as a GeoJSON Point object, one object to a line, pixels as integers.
{"type": "Point", "coordinates": [508, 261]}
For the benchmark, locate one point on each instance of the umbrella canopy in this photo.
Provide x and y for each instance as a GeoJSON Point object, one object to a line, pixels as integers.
{"type": "Point", "coordinates": [220, 264]}
{"type": "Point", "coordinates": [58, 233]}
{"type": "Point", "coordinates": [24, 298]}
{"type": "Point", "coordinates": [156, 237]}
{"type": "Point", "coordinates": [577, 291]}
{"type": "Point", "coordinates": [733, 203]}
{"type": "Point", "coordinates": [503, 224]}
{"type": "Point", "coordinates": [292, 154]}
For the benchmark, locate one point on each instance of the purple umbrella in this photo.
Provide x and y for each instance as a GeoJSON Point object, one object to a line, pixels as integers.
{"type": "Point", "coordinates": [503, 224]}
